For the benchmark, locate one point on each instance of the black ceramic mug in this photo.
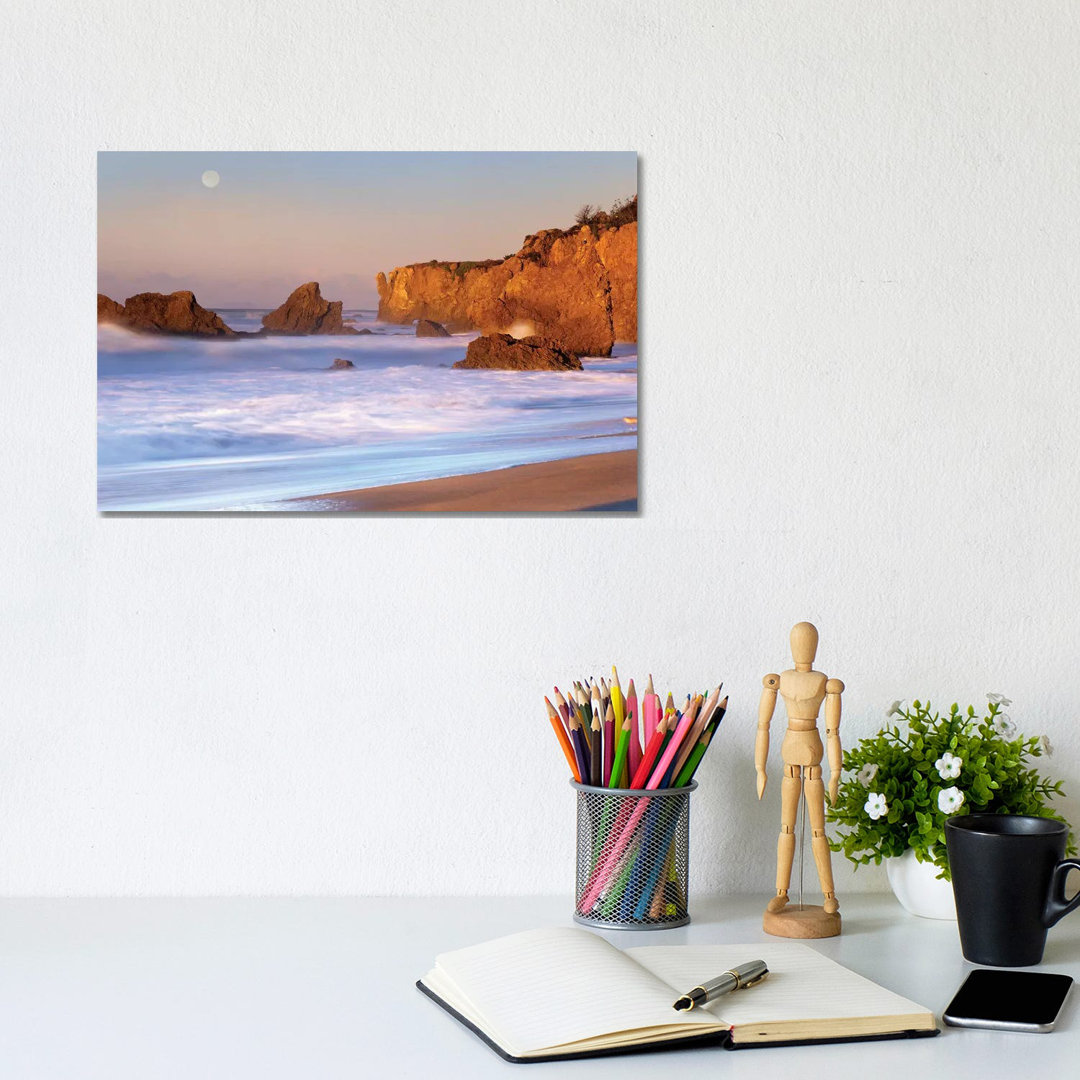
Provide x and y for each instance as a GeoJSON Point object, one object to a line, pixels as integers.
{"type": "Point", "coordinates": [1008, 877]}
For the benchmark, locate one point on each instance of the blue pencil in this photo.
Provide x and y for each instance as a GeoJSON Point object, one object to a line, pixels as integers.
{"type": "Point", "coordinates": [667, 835]}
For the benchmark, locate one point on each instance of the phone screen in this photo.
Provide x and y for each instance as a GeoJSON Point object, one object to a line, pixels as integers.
{"type": "Point", "coordinates": [1021, 1000]}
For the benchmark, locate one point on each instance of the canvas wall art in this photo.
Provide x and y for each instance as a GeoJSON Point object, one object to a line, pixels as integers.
{"type": "Point", "coordinates": [367, 331]}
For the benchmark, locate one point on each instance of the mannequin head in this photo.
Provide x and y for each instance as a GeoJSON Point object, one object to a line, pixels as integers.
{"type": "Point", "coordinates": [804, 640]}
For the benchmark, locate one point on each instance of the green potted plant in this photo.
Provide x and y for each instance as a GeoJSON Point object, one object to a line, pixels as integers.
{"type": "Point", "coordinates": [898, 788]}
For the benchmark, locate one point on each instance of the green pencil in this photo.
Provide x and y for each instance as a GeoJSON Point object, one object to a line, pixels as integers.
{"type": "Point", "coordinates": [622, 749]}
{"type": "Point", "coordinates": [691, 763]}
{"type": "Point", "coordinates": [694, 760]}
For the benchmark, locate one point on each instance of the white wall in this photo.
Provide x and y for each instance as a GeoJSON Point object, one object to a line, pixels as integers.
{"type": "Point", "coordinates": [860, 323]}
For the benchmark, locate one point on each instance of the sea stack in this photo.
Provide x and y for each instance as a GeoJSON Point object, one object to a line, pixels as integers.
{"type": "Point", "coordinates": [164, 313]}
{"type": "Point", "coordinates": [306, 312]}
{"type": "Point", "coordinates": [108, 310]}
{"type": "Point", "coordinates": [505, 353]}
{"type": "Point", "coordinates": [430, 328]}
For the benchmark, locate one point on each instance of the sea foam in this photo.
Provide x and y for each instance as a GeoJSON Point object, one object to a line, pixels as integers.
{"type": "Point", "coordinates": [206, 424]}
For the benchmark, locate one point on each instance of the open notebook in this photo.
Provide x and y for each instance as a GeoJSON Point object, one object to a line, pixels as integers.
{"type": "Point", "coordinates": [561, 992]}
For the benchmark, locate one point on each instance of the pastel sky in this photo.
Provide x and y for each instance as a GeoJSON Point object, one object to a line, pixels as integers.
{"type": "Point", "coordinates": [276, 220]}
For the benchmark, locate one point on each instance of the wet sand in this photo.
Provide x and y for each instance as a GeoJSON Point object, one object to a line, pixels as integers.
{"type": "Point", "coordinates": [595, 482]}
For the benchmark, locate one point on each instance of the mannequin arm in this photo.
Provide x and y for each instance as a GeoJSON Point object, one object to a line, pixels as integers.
{"type": "Point", "coordinates": [833, 689]}
{"type": "Point", "coordinates": [761, 744]}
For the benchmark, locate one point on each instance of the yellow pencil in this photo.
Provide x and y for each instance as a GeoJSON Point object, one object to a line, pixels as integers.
{"type": "Point", "coordinates": [617, 702]}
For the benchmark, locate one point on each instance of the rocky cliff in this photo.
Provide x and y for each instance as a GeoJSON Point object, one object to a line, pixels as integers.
{"type": "Point", "coordinates": [576, 287]}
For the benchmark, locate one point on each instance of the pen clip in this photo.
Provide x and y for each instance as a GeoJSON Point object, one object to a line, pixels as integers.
{"type": "Point", "coordinates": [754, 981]}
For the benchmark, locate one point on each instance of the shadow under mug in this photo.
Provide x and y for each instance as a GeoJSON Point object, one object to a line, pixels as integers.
{"type": "Point", "coordinates": [1008, 876]}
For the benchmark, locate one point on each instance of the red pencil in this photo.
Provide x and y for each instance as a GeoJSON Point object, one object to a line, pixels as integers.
{"type": "Point", "coordinates": [648, 758]}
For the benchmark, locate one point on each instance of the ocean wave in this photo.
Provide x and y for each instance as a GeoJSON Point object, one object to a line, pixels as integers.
{"type": "Point", "coordinates": [253, 418]}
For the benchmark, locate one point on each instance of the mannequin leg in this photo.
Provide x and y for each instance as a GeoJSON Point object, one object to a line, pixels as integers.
{"type": "Point", "coordinates": [790, 790]}
{"type": "Point", "coordinates": [815, 805]}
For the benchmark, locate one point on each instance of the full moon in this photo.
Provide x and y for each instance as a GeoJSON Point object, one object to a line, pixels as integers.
{"type": "Point", "coordinates": [210, 178]}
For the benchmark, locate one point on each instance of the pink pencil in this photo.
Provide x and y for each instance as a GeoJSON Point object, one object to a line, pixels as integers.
{"type": "Point", "coordinates": [650, 710]}
{"type": "Point", "coordinates": [703, 717]}
{"type": "Point", "coordinates": [672, 748]}
{"type": "Point", "coordinates": [635, 729]}
{"type": "Point", "coordinates": [602, 877]}
{"type": "Point", "coordinates": [564, 709]}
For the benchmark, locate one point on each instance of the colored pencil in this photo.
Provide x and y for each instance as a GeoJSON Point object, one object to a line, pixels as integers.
{"type": "Point", "coordinates": [584, 707]}
{"type": "Point", "coordinates": [648, 758]}
{"type": "Point", "coordinates": [651, 713]}
{"type": "Point", "coordinates": [618, 706]}
{"type": "Point", "coordinates": [609, 743]}
{"type": "Point", "coordinates": [598, 713]}
{"type": "Point", "coordinates": [624, 837]}
{"type": "Point", "coordinates": [581, 748]}
{"type": "Point", "coordinates": [564, 740]}
{"type": "Point", "coordinates": [634, 758]}
{"type": "Point", "coordinates": [584, 728]}
{"type": "Point", "coordinates": [689, 768]}
{"type": "Point", "coordinates": [689, 713]}
{"type": "Point", "coordinates": [703, 716]}
{"type": "Point", "coordinates": [622, 750]}
{"type": "Point", "coordinates": [617, 702]}
{"type": "Point", "coordinates": [672, 748]}
{"type": "Point", "coordinates": [596, 756]}
{"type": "Point", "coordinates": [564, 709]}
{"type": "Point", "coordinates": [659, 867]}
{"type": "Point", "coordinates": [694, 760]}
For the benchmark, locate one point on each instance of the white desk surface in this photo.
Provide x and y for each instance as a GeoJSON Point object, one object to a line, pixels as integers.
{"type": "Point", "coordinates": [323, 988]}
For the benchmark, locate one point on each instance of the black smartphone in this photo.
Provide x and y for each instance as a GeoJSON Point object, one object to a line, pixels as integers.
{"type": "Point", "coordinates": [1013, 1000]}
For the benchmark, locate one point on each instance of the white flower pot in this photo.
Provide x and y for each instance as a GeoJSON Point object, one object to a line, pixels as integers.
{"type": "Point", "coordinates": [919, 889]}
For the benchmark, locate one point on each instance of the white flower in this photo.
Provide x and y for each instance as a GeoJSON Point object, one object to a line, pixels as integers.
{"type": "Point", "coordinates": [876, 806]}
{"type": "Point", "coordinates": [1003, 725]}
{"type": "Point", "coordinates": [950, 800]}
{"type": "Point", "coordinates": [866, 774]}
{"type": "Point", "coordinates": [948, 766]}
{"type": "Point", "coordinates": [1047, 748]}
{"type": "Point", "coordinates": [998, 699]}
{"type": "Point", "coordinates": [895, 709]}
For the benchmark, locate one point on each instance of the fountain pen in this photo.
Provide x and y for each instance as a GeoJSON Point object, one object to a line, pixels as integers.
{"type": "Point", "coordinates": [738, 978]}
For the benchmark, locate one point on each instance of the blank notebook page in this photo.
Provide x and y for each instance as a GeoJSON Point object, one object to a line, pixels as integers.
{"type": "Point", "coordinates": [802, 984]}
{"type": "Point", "coordinates": [544, 988]}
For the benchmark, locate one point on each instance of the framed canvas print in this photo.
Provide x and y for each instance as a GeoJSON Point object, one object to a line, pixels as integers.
{"type": "Point", "coordinates": [372, 331]}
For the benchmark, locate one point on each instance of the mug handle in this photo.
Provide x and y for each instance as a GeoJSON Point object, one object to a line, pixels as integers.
{"type": "Point", "coordinates": [1056, 904]}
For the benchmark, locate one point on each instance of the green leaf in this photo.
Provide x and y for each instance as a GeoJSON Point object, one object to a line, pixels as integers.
{"type": "Point", "coordinates": [995, 778]}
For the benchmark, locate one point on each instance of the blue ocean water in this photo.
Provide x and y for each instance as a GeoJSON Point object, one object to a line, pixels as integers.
{"type": "Point", "coordinates": [191, 424]}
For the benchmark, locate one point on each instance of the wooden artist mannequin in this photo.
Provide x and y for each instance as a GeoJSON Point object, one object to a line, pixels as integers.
{"type": "Point", "coordinates": [803, 691]}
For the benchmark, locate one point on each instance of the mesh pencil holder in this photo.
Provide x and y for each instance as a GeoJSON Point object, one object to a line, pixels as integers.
{"type": "Point", "coordinates": [633, 857]}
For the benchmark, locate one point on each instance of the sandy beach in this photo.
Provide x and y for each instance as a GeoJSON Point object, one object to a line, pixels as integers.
{"type": "Point", "coordinates": [595, 482]}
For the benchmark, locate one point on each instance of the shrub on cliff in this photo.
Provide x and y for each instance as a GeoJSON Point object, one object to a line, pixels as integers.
{"type": "Point", "coordinates": [622, 212]}
{"type": "Point", "coordinates": [587, 214]}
